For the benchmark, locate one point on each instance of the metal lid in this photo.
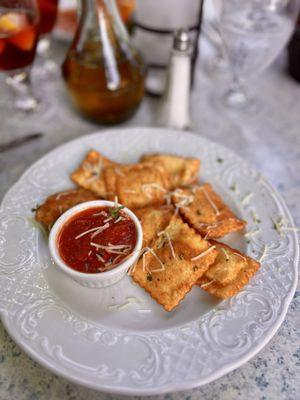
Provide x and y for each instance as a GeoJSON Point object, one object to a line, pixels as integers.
{"type": "Point", "coordinates": [182, 40]}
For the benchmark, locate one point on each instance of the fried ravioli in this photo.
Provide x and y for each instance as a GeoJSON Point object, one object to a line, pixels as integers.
{"type": "Point", "coordinates": [140, 185]}
{"type": "Point", "coordinates": [176, 262]}
{"type": "Point", "coordinates": [55, 205]}
{"type": "Point", "coordinates": [230, 272]}
{"type": "Point", "coordinates": [110, 179]}
{"type": "Point", "coordinates": [206, 212]}
{"type": "Point", "coordinates": [183, 171]}
{"type": "Point", "coordinates": [89, 175]}
{"type": "Point", "coordinates": [153, 219]}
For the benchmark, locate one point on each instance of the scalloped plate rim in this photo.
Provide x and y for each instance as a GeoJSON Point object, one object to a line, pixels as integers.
{"type": "Point", "coordinates": [167, 387]}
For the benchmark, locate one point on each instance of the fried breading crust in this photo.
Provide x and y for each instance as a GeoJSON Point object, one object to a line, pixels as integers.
{"type": "Point", "coordinates": [183, 171]}
{"type": "Point", "coordinates": [56, 204]}
{"type": "Point", "coordinates": [207, 212]}
{"type": "Point", "coordinates": [229, 273]}
{"type": "Point", "coordinates": [153, 219]}
{"type": "Point", "coordinates": [169, 280]}
{"type": "Point", "coordinates": [89, 175]}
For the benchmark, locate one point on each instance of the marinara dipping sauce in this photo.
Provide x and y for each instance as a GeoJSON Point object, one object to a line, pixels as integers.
{"type": "Point", "coordinates": [97, 239]}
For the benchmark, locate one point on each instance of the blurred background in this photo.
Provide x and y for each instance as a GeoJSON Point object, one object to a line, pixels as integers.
{"type": "Point", "coordinates": [102, 58]}
{"type": "Point", "coordinates": [228, 70]}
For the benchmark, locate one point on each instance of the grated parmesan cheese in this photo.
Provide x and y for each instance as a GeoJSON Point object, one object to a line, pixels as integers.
{"type": "Point", "coordinates": [100, 230]}
{"type": "Point", "coordinates": [119, 172]}
{"type": "Point", "coordinates": [204, 253]}
{"type": "Point", "coordinates": [158, 259]}
{"type": "Point", "coordinates": [91, 230]}
{"type": "Point", "coordinates": [246, 198]}
{"type": "Point", "coordinates": [116, 201]}
{"type": "Point", "coordinates": [215, 208]}
{"type": "Point", "coordinates": [264, 253]}
{"type": "Point", "coordinates": [239, 255]}
{"type": "Point", "coordinates": [226, 254]}
{"type": "Point", "coordinates": [104, 213]}
{"type": "Point", "coordinates": [147, 188]}
{"type": "Point", "coordinates": [250, 234]}
{"type": "Point", "coordinates": [255, 218]}
{"type": "Point", "coordinates": [100, 258]}
{"type": "Point", "coordinates": [208, 283]}
{"type": "Point", "coordinates": [118, 219]}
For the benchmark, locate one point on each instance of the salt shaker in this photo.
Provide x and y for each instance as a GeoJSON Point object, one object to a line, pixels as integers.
{"type": "Point", "coordinates": [174, 108]}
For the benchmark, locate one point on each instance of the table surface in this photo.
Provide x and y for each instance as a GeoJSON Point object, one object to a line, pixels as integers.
{"type": "Point", "coordinates": [268, 139]}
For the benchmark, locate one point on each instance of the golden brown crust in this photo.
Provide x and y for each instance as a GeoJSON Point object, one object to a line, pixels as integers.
{"type": "Point", "coordinates": [153, 219]}
{"type": "Point", "coordinates": [182, 171]}
{"type": "Point", "coordinates": [175, 239]}
{"type": "Point", "coordinates": [110, 179]}
{"type": "Point", "coordinates": [141, 185]}
{"type": "Point", "coordinates": [89, 175]}
{"type": "Point", "coordinates": [58, 203]}
{"type": "Point", "coordinates": [226, 278]}
{"type": "Point", "coordinates": [170, 284]}
{"type": "Point", "coordinates": [207, 213]}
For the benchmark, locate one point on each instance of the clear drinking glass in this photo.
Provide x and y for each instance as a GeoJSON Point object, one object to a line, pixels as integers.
{"type": "Point", "coordinates": [18, 40]}
{"type": "Point", "coordinates": [48, 12]}
{"type": "Point", "coordinates": [252, 32]}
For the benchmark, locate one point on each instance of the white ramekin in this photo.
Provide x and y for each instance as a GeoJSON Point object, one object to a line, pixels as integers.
{"type": "Point", "coordinates": [102, 279]}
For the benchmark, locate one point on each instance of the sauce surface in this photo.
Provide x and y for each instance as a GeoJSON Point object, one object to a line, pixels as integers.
{"type": "Point", "coordinates": [97, 239]}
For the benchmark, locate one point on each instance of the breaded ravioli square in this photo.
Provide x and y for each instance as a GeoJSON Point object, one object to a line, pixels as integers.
{"type": "Point", "coordinates": [183, 171]}
{"type": "Point", "coordinates": [206, 212]}
{"type": "Point", "coordinates": [89, 175]}
{"type": "Point", "coordinates": [153, 220]}
{"type": "Point", "coordinates": [110, 178]}
{"type": "Point", "coordinates": [178, 259]}
{"type": "Point", "coordinates": [229, 273]}
{"type": "Point", "coordinates": [140, 185]}
{"type": "Point", "coordinates": [58, 203]}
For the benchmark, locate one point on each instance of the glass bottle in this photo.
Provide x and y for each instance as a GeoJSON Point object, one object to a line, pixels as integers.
{"type": "Point", "coordinates": [103, 72]}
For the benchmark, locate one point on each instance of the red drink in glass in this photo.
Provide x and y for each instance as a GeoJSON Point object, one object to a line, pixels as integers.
{"type": "Point", "coordinates": [48, 13]}
{"type": "Point", "coordinates": [18, 39]}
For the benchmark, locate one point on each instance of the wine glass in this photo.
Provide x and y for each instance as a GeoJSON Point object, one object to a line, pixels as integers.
{"type": "Point", "coordinates": [48, 13]}
{"type": "Point", "coordinates": [18, 40]}
{"type": "Point", "coordinates": [252, 33]}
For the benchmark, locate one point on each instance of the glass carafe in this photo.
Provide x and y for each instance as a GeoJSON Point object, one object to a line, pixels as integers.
{"type": "Point", "coordinates": [103, 71]}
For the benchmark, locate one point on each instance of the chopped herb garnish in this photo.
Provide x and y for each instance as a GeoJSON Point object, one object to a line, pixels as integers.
{"type": "Point", "coordinates": [181, 256]}
{"type": "Point", "coordinates": [233, 187]}
{"type": "Point", "coordinates": [149, 278]}
{"type": "Point", "coordinates": [115, 211]}
{"type": "Point", "coordinates": [34, 209]}
{"type": "Point", "coordinates": [195, 268]}
{"type": "Point", "coordinates": [277, 225]}
{"type": "Point", "coordinates": [220, 160]}
{"type": "Point", "coordinates": [198, 212]}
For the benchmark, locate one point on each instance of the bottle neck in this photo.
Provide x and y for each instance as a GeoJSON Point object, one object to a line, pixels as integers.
{"type": "Point", "coordinates": [92, 13]}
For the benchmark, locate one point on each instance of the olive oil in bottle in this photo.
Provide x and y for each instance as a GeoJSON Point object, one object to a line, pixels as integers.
{"type": "Point", "coordinates": [103, 72]}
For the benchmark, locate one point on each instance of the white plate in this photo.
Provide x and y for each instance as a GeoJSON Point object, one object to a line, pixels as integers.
{"type": "Point", "coordinates": [70, 329]}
